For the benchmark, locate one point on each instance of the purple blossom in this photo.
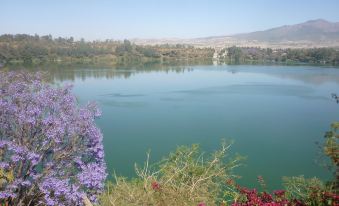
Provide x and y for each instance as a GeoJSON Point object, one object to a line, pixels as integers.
{"type": "Point", "coordinates": [50, 144]}
{"type": "Point", "coordinates": [4, 165]}
{"type": "Point", "coordinates": [91, 175]}
{"type": "Point", "coordinates": [5, 194]}
{"type": "Point", "coordinates": [55, 189]}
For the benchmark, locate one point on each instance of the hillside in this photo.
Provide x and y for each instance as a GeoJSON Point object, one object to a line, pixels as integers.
{"type": "Point", "coordinates": [313, 33]}
{"type": "Point", "coordinates": [315, 30]}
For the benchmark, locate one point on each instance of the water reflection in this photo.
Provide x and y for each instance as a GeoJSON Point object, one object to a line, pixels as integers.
{"type": "Point", "coordinates": [60, 73]}
{"type": "Point", "coordinates": [306, 74]}
{"type": "Point", "coordinates": [73, 72]}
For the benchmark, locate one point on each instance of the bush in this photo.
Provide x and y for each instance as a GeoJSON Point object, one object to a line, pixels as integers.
{"type": "Point", "coordinates": [309, 191]}
{"type": "Point", "coordinates": [51, 152]}
{"type": "Point", "coordinates": [185, 177]}
{"type": "Point", "coordinates": [251, 197]}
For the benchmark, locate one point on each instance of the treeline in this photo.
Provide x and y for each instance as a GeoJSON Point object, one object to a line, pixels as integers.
{"type": "Point", "coordinates": [35, 48]}
{"type": "Point", "coordinates": [325, 56]}
{"type": "Point", "coordinates": [23, 48]}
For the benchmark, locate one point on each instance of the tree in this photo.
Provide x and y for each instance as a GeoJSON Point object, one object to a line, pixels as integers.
{"type": "Point", "coordinates": [124, 48]}
{"type": "Point", "coordinates": [235, 53]}
{"type": "Point", "coordinates": [51, 152]}
{"type": "Point", "coordinates": [148, 51]}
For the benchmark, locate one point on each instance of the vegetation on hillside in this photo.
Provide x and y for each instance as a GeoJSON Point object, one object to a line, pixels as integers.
{"type": "Point", "coordinates": [321, 56]}
{"type": "Point", "coordinates": [23, 48]}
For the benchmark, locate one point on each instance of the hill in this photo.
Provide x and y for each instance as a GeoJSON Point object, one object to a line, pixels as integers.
{"type": "Point", "coordinates": [315, 30]}
{"type": "Point", "coordinates": [313, 33]}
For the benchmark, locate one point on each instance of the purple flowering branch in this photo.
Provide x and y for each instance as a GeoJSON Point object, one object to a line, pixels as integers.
{"type": "Point", "coordinates": [51, 151]}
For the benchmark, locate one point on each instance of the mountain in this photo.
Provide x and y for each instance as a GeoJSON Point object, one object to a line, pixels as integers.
{"type": "Point", "coordinates": [313, 33]}
{"type": "Point", "coordinates": [314, 30]}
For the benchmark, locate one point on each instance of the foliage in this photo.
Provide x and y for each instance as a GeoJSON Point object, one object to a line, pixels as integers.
{"type": "Point", "coordinates": [148, 51]}
{"type": "Point", "coordinates": [331, 147]}
{"type": "Point", "coordinates": [124, 48]}
{"type": "Point", "coordinates": [242, 196]}
{"type": "Point", "coordinates": [51, 152]}
{"type": "Point", "coordinates": [310, 191]}
{"type": "Point", "coordinates": [298, 192]}
{"type": "Point", "coordinates": [36, 49]}
{"type": "Point", "coordinates": [251, 197]}
{"type": "Point", "coordinates": [185, 177]}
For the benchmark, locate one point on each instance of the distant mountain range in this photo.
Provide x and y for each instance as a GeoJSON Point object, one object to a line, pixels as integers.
{"type": "Point", "coordinates": [314, 30]}
{"type": "Point", "coordinates": [314, 33]}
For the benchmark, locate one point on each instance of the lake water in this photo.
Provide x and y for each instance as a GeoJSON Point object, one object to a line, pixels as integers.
{"type": "Point", "coordinates": [274, 114]}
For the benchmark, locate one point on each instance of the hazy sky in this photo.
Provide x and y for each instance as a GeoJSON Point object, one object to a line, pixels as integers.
{"type": "Point", "coordinates": [118, 19]}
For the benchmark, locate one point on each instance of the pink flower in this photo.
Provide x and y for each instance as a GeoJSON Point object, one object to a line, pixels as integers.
{"type": "Point", "coordinates": [279, 193]}
{"type": "Point", "coordinates": [265, 197]}
{"type": "Point", "coordinates": [155, 186]}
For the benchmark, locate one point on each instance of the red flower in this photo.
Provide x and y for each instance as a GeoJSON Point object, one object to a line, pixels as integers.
{"type": "Point", "coordinates": [201, 204]}
{"type": "Point", "coordinates": [265, 197]}
{"type": "Point", "coordinates": [155, 186]}
{"type": "Point", "coordinates": [279, 193]}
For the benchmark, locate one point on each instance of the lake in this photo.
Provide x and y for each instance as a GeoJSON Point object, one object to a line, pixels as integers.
{"type": "Point", "coordinates": [274, 114]}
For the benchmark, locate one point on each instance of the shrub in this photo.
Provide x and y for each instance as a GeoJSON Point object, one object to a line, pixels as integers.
{"type": "Point", "coordinates": [243, 196]}
{"type": "Point", "coordinates": [51, 152]}
{"type": "Point", "coordinates": [251, 197]}
{"type": "Point", "coordinates": [185, 177]}
{"type": "Point", "coordinates": [310, 191]}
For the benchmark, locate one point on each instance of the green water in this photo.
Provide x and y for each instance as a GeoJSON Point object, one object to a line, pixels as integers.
{"type": "Point", "coordinates": [275, 114]}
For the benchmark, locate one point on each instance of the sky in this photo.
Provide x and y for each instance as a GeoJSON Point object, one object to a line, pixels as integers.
{"type": "Point", "coordinates": [120, 19]}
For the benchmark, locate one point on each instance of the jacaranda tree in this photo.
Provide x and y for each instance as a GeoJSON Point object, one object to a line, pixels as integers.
{"type": "Point", "coordinates": [51, 151]}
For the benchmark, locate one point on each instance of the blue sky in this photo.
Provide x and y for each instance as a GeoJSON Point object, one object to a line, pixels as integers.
{"type": "Point", "coordinates": [119, 19]}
